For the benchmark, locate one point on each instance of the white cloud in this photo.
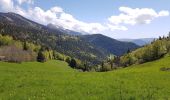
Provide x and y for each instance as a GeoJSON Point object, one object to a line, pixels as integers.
{"type": "Point", "coordinates": [136, 16]}
{"type": "Point", "coordinates": [116, 27]}
{"type": "Point", "coordinates": [25, 1]}
{"type": "Point", "coordinates": [163, 13]}
{"type": "Point", "coordinates": [6, 5]}
{"type": "Point", "coordinates": [57, 16]}
{"type": "Point", "coordinates": [56, 10]}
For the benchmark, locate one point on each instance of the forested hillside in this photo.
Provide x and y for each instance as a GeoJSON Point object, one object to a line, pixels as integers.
{"type": "Point", "coordinates": [25, 30]}
{"type": "Point", "coordinates": [112, 46]}
{"type": "Point", "coordinates": [60, 41]}
{"type": "Point", "coordinates": [156, 50]}
{"type": "Point", "coordinates": [17, 51]}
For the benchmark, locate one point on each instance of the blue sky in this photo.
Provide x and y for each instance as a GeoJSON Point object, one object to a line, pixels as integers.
{"type": "Point", "coordinates": [99, 10]}
{"type": "Point", "coordinates": [114, 18]}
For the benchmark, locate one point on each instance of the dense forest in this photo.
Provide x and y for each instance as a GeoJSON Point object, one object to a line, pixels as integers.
{"type": "Point", "coordinates": [111, 45]}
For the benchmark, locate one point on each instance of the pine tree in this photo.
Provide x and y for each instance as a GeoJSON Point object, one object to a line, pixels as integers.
{"type": "Point", "coordinates": [25, 46]}
{"type": "Point", "coordinates": [41, 56]}
{"type": "Point", "coordinates": [73, 63]}
{"type": "Point", "coordinates": [128, 51]}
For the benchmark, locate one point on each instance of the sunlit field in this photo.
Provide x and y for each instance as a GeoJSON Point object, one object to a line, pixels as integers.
{"type": "Point", "coordinates": [56, 80]}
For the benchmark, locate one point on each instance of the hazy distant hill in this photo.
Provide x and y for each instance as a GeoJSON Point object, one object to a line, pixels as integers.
{"type": "Point", "coordinates": [140, 42]}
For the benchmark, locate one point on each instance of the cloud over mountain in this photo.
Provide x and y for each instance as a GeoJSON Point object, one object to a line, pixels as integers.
{"type": "Point", "coordinates": [57, 16]}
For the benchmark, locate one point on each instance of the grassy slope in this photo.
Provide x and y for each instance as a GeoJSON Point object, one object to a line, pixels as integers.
{"type": "Point", "coordinates": [55, 80]}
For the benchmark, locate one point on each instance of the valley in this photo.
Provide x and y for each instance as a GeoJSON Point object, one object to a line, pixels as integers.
{"type": "Point", "coordinates": [84, 50]}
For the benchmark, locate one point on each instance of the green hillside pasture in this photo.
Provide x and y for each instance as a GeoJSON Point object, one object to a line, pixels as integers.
{"type": "Point", "coordinates": [55, 80]}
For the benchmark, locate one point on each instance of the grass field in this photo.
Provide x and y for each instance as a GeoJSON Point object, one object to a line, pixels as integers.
{"type": "Point", "coordinates": [55, 80]}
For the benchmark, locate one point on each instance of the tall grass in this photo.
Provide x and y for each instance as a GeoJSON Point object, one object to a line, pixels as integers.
{"type": "Point", "coordinates": [55, 80]}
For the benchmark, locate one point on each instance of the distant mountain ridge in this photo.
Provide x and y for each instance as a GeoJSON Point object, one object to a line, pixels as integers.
{"type": "Point", "coordinates": [140, 42]}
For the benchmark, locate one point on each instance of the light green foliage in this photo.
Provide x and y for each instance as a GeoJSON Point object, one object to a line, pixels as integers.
{"type": "Point", "coordinates": [5, 40]}
{"type": "Point", "coordinates": [16, 51]}
{"type": "Point", "coordinates": [46, 55]}
{"type": "Point", "coordinates": [147, 53]}
{"type": "Point", "coordinates": [128, 59]}
{"type": "Point", "coordinates": [55, 80]}
{"type": "Point", "coordinates": [31, 46]}
{"type": "Point", "coordinates": [58, 56]}
{"type": "Point", "coordinates": [18, 44]}
{"type": "Point", "coordinates": [106, 67]}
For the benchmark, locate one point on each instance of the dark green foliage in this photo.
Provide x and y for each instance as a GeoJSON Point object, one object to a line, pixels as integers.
{"type": "Point", "coordinates": [73, 63]}
{"type": "Point", "coordinates": [110, 45]}
{"type": "Point", "coordinates": [41, 56]}
{"type": "Point", "coordinates": [25, 47]}
{"type": "Point", "coordinates": [128, 51]}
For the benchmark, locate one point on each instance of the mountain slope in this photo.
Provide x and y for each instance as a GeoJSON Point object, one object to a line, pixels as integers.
{"type": "Point", "coordinates": [25, 30]}
{"type": "Point", "coordinates": [156, 50]}
{"type": "Point", "coordinates": [110, 45]}
{"type": "Point", "coordinates": [81, 47]}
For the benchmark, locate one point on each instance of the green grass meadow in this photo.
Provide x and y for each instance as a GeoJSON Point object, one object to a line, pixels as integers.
{"type": "Point", "coordinates": [55, 80]}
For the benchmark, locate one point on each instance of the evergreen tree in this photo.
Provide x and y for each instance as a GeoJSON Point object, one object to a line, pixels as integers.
{"type": "Point", "coordinates": [73, 63]}
{"type": "Point", "coordinates": [25, 47]}
{"type": "Point", "coordinates": [41, 56]}
{"type": "Point", "coordinates": [160, 38]}
{"type": "Point", "coordinates": [128, 51]}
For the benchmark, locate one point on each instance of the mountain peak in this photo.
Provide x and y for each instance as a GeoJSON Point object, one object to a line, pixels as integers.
{"type": "Point", "coordinates": [62, 29]}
